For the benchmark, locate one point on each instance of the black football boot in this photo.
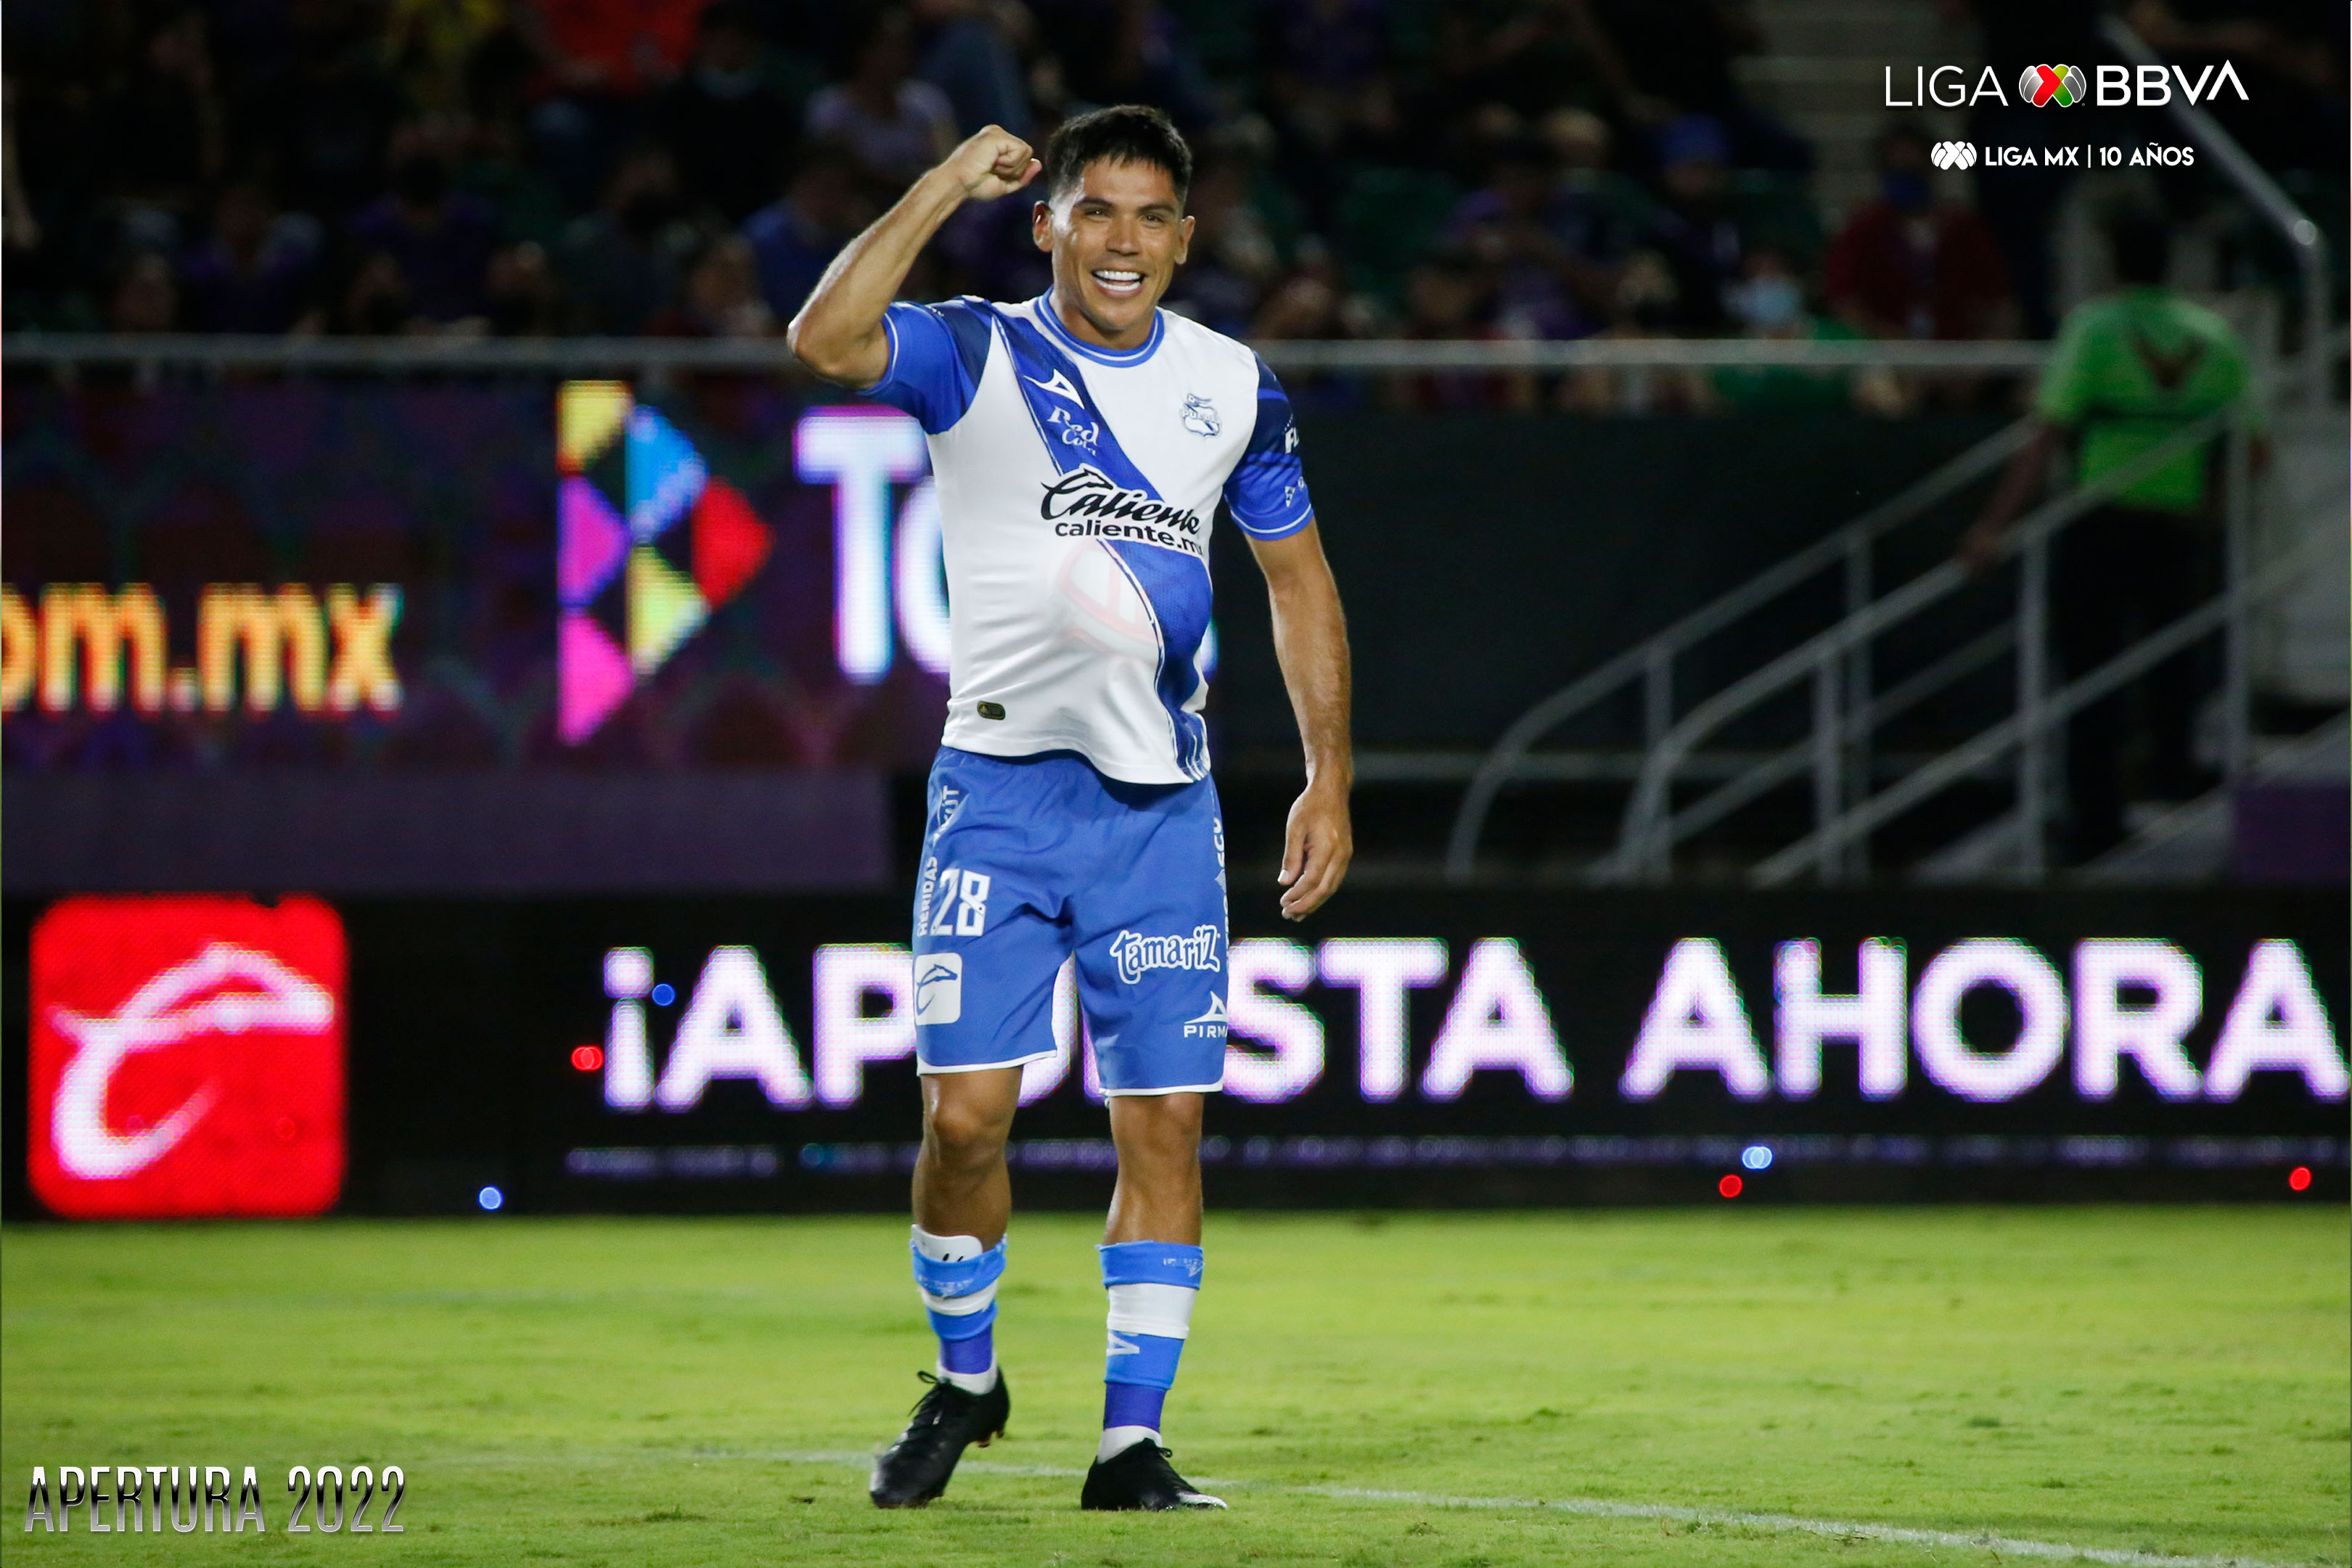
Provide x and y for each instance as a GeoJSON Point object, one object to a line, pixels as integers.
{"type": "Point", "coordinates": [913, 1470]}
{"type": "Point", "coordinates": [1139, 1476]}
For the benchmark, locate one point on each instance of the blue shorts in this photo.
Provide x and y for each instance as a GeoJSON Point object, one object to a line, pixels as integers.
{"type": "Point", "coordinates": [1027, 860]}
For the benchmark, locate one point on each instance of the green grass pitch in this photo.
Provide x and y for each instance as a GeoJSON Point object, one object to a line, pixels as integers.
{"type": "Point", "coordinates": [696, 1391]}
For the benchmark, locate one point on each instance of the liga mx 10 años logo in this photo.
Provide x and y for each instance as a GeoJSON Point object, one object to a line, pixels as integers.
{"type": "Point", "coordinates": [632, 583]}
{"type": "Point", "coordinates": [2062, 85]}
{"type": "Point", "coordinates": [1953, 155]}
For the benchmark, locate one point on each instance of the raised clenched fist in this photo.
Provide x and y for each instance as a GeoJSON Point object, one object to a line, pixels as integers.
{"type": "Point", "coordinates": [993, 162]}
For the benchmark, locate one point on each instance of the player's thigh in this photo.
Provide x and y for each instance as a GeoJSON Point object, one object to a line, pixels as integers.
{"type": "Point", "coordinates": [1151, 944]}
{"type": "Point", "coordinates": [987, 937]}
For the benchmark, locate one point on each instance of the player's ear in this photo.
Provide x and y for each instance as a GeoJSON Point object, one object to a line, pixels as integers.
{"type": "Point", "coordinates": [1184, 240]}
{"type": "Point", "coordinates": [1041, 225]}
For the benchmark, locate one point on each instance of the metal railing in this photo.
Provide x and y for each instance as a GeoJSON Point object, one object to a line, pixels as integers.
{"type": "Point", "coordinates": [1651, 662]}
{"type": "Point", "coordinates": [604, 356]}
{"type": "Point", "coordinates": [2026, 730]}
{"type": "Point", "coordinates": [2304, 240]}
{"type": "Point", "coordinates": [1843, 718]}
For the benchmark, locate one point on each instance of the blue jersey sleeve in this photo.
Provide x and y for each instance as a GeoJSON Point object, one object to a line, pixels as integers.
{"type": "Point", "coordinates": [1268, 488]}
{"type": "Point", "coordinates": [937, 352]}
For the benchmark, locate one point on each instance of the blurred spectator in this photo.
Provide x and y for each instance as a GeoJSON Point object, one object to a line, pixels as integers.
{"type": "Point", "coordinates": [1232, 257]}
{"type": "Point", "coordinates": [971, 54]}
{"type": "Point", "coordinates": [602, 57]}
{"type": "Point", "coordinates": [256, 272]}
{"type": "Point", "coordinates": [146, 299]}
{"type": "Point", "coordinates": [1597, 211]}
{"type": "Point", "coordinates": [1665, 57]}
{"type": "Point", "coordinates": [495, 166]}
{"type": "Point", "coordinates": [376, 303]}
{"type": "Point", "coordinates": [794, 239]}
{"type": "Point", "coordinates": [616, 48]}
{"type": "Point", "coordinates": [1768, 302]}
{"type": "Point", "coordinates": [1446, 298]}
{"type": "Point", "coordinates": [166, 123]}
{"type": "Point", "coordinates": [728, 129]}
{"type": "Point", "coordinates": [439, 240]}
{"type": "Point", "coordinates": [993, 252]}
{"type": "Point", "coordinates": [20, 230]}
{"type": "Point", "coordinates": [427, 45]}
{"type": "Point", "coordinates": [2019, 202]}
{"type": "Point", "coordinates": [523, 300]}
{"type": "Point", "coordinates": [1309, 303]}
{"type": "Point", "coordinates": [1327, 86]}
{"type": "Point", "coordinates": [2129, 371]}
{"type": "Point", "coordinates": [896, 126]}
{"type": "Point", "coordinates": [1528, 228]}
{"type": "Point", "coordinates": [1693, 231]}
{"type": "Point", "coordinates": [620, 263]}
{"type": "Point", "coordinates": [1125, 51]}
{"type": "Point", "coordinates": [721, 295]}
{"type": "Point", "coordinates": [1528, 56]}
{"type": "Point", "coordinates": [320, 123]}
{"type": "Point", "coordinates": [1907, 266]}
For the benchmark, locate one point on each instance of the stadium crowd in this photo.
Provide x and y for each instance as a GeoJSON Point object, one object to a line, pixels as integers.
{"type": "Point", "coordinates": [1436, 169]}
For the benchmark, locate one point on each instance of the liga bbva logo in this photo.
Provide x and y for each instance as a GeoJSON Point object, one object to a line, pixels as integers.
{"type": "Point", "coordinates": [632, 583]}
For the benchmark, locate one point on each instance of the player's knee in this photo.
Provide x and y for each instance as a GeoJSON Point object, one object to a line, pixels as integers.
{"type": "Point", "coordinates": [966, 1134]}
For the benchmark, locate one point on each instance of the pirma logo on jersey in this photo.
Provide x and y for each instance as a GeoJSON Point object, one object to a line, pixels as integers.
{"type": "Point", "coordinates": [1137, 953]}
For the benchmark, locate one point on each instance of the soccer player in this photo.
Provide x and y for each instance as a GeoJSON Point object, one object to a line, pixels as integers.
{"type": "Point", "coordinates": [1081, 442]}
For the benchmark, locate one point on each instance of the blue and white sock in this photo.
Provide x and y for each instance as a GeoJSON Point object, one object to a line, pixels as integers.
{"type": "Point", "coordinates": [957, 1277]}
{"type": "Point", "coordinates": [1151, 1286]}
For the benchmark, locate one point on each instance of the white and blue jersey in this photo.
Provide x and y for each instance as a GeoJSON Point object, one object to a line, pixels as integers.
{"type": "Point", "coordinates": [1076, 489]}
{"type": "Point", "coordinates": [1071, 812]}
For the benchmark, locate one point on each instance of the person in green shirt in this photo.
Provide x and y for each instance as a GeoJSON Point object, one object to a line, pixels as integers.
{"type": "Point", "coordinates": [2129, 370]}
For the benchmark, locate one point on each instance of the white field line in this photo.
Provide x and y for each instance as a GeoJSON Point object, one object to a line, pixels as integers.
{"type": "Point", "coordinates": [1604, 1508]}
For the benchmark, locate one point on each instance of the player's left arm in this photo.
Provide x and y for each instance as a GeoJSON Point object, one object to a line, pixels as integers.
{"type": "Point", "coordinates": [1310, 640]}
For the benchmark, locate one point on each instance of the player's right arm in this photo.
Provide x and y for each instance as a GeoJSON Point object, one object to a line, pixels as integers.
{"type": "Point", "coordinates": [838, 333]}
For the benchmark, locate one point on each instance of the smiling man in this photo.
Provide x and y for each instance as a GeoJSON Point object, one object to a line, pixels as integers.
{"type": "Point", "coordinates": [1082, 442]}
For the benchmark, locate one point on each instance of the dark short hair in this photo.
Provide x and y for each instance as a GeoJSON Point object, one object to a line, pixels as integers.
{"type": "Point", "coordinates": [2141, 243]}
{"type": "Point", "coordinates": [1123, 134]}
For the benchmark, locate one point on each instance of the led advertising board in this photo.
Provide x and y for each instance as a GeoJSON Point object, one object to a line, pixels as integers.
{"type": "Point", "coordinates": [186, 1058]}
{"type": "Point", "coordinates": [698, 1043]}
{"type": "Point", "coordinates": [520, 576]}
{"type": "Point", "coordinates": [705, 1052]}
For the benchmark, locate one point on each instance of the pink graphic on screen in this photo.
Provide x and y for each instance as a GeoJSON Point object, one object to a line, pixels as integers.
{"type": "Point", "coordinates": [634, 587]}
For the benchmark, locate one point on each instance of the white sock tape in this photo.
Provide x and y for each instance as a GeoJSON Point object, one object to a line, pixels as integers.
{"type": "Point", "coordinates": [947, 1249]}
{"type": "Point", "coordinates": [959, 1306]}
{"type": "Point", "coordinates": [1165, 1311]}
